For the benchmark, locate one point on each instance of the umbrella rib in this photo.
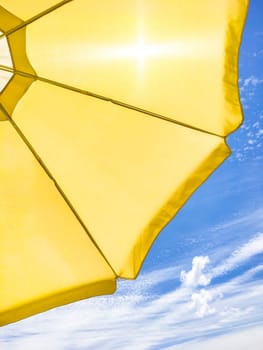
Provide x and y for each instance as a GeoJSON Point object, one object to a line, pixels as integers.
{"type": "Point", "coordinates": [107, 99]}
{"type": "Point", "coordinates": [36, 17]}
{"type": "Point", "coordinates": [62, 193]}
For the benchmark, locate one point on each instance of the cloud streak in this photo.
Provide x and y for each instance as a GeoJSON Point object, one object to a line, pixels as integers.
{"type": "Point", "coordinates": [253, 247]}
{"type": "Point", "coordinates": [252, 80]}
{"type": "Point", "coordinates": [195, 313]}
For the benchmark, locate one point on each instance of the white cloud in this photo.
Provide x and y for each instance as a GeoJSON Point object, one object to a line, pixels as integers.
{"type": "Point", "coordinates": [242, 254]}
{"type": "Point", "coordinates": [252, 80]}
{"type": "Point", "coordinates": [195, 277]}
{"type": "Point", "coordinates": [135, 318]}
{"type": "Point", "coordinates": [116, 323]}
{"type": "Point", "coordinates": [242, 340]}
{"type": "Point", "coordinates": [246, 143]}
{"type": "Point", "coordinates": [200, 302]}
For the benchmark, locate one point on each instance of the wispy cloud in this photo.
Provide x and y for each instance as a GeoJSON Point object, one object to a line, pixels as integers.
{"type": "Point", "coordinates": [197, 312]}
{"type": "Point", "coordinates": [242, 340]}
{"type": "Point", "coordinates": [247, 143]}
{"type": "Point", "coordinates": [253, 247]}
{"type": "Point", "coordinates": [251, 80]}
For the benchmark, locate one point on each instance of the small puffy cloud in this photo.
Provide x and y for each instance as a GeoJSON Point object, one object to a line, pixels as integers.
{"type": "Point", "coordinates": [196, 277]}
{"type": "Point", "coordinates": [200, 302]}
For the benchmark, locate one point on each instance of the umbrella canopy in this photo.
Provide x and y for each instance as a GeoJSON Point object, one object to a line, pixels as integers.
{"type": "Point", "coordinates": [112, 114]}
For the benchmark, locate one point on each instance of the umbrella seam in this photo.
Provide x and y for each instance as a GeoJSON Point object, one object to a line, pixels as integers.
{"type": "Point", "coordinates": [62, 193]}
{"type": "Point", "coordinates": [36, 17]}
{"type": "Point", "coordinates": [108, 99]}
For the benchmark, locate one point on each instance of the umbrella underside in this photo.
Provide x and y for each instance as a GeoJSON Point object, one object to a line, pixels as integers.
{"type": "Point", "coordinates": [112, 115]}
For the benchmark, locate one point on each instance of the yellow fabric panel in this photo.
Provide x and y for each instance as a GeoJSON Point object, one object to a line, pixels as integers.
{"type": "Point", "coordinates": [7, 20]}
{"type": "Point", "coordinates": [126, 173]}
{"type": "Point", "coordinates": [26, 9]}
{"type": "Point", "coordinates": [13, 92]}
{"type": "Point", "coordinates": [46, 258]}
{"type": "Point", "coordinates": [172, 57]}
{"type": "Point", "coordinates": [17, 43]}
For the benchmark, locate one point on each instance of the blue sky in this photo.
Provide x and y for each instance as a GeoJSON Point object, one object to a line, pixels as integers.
{"type": "Point", "coordinates": [201, 284]}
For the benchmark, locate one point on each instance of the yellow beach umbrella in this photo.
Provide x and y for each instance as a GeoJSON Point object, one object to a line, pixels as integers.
{"type": "Point", "coordinates": [112, 114]}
